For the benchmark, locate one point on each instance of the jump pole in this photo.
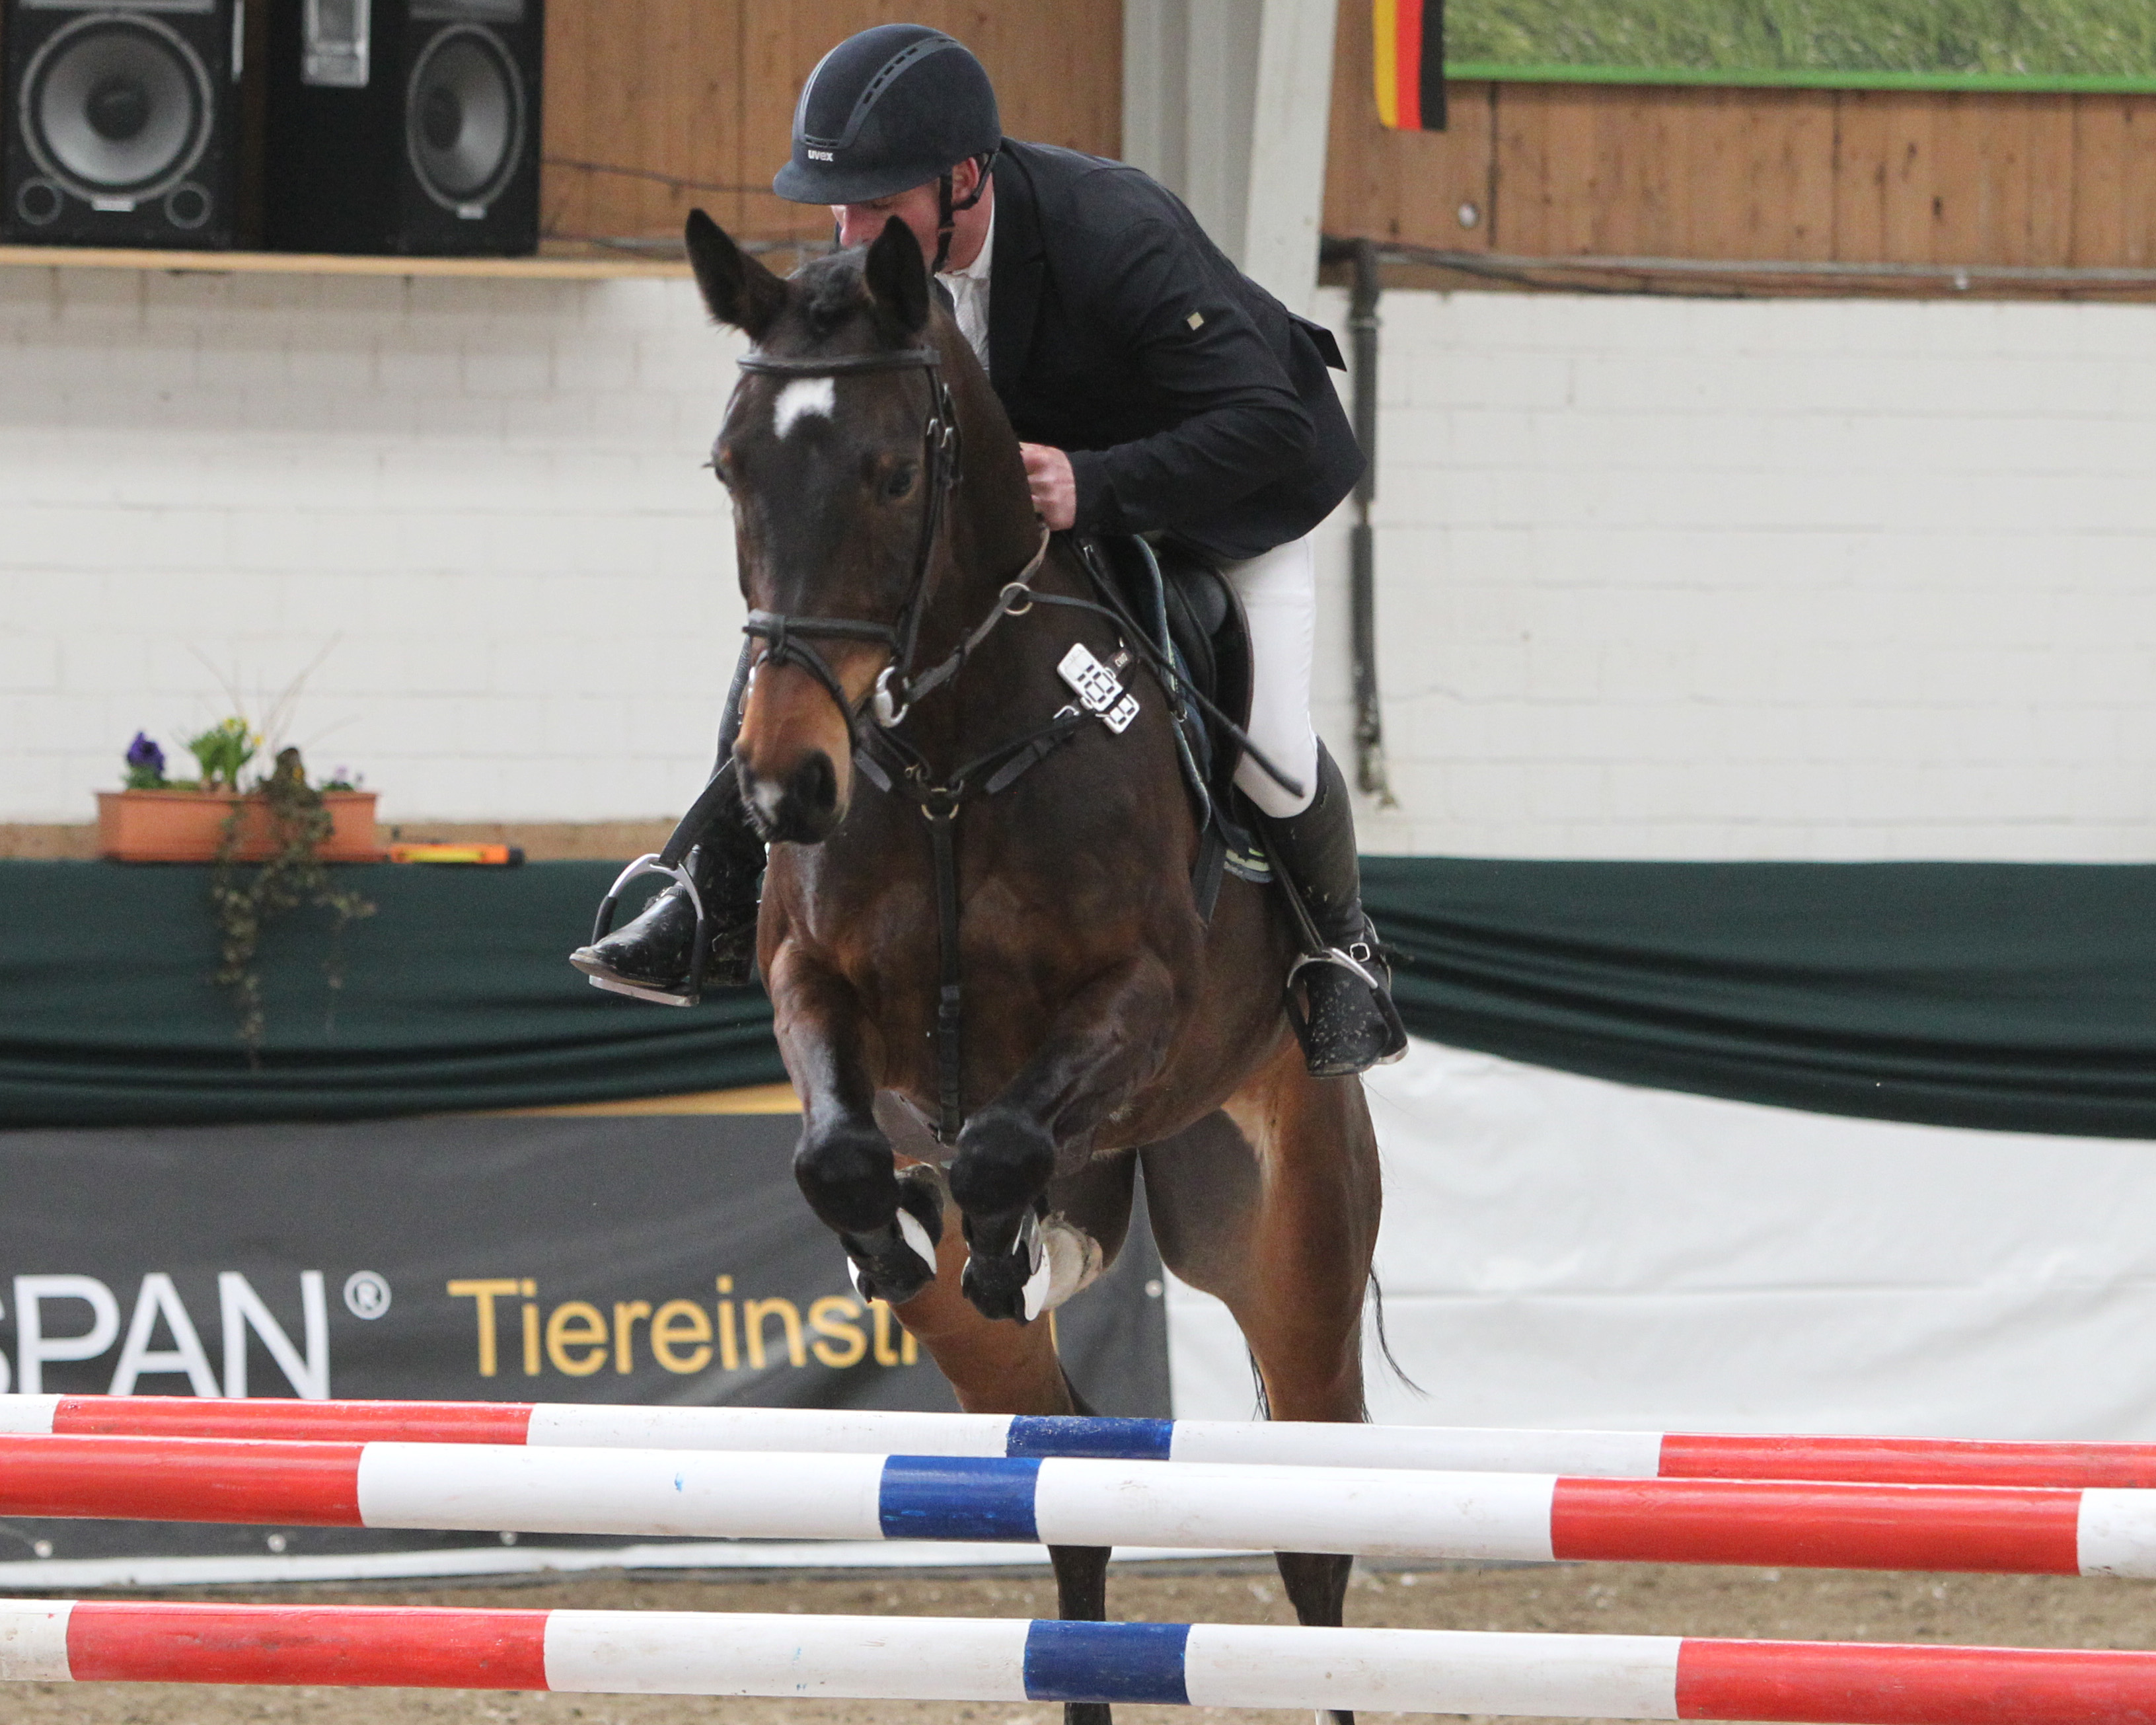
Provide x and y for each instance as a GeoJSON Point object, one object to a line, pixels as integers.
{"type": "Point", "coordinates": [1010, 1660]}
{"type": "Point", "coordinates": [1603, 1454]}
{"type": "Point", "coordinates": [1198, 1505]}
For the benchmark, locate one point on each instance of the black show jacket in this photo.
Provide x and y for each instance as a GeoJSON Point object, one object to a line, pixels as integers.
{"type": "Point", "coordinates": [1188, 397]}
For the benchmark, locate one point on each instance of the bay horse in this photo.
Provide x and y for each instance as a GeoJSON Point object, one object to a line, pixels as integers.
{"type": "Point", "coordinates": [961, 825]}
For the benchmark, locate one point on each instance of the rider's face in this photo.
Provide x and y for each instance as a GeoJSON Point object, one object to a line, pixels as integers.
{"type": "Point", "coordinates": [916, 207]}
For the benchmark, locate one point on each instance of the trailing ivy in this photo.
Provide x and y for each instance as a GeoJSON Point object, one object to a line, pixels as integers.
{"type": "Point", "coordinates": [294, 875]}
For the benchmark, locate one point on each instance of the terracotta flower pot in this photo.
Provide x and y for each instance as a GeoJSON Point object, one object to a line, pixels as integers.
{"type": "Point", "coordinates": [185, 827]}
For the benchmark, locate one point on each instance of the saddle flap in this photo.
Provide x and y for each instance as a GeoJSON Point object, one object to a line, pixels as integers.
{"type": "Point", "coordinates": [1207, 623]}
{"type": "Point", "coordinates": [1192, 614]}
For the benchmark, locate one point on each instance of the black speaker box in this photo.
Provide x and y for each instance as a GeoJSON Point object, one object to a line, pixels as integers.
{"type": "Point", "coordinates": [123, 122]}
{"type": "Point", "coordinates": [403, 125]}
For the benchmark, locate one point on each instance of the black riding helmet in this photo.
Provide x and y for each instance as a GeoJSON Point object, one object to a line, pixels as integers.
{"type": "Point", "coordinates": [892, 107]}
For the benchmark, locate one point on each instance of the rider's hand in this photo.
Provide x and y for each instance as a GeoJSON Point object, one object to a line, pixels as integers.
{"type": "Point", "coordinates": [1054, 487]}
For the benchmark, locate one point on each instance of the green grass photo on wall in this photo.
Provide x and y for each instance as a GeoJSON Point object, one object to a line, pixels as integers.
{"type": "Point", "coordinates": [1970, 44]}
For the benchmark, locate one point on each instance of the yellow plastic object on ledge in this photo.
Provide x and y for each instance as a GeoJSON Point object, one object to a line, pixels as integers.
{"type": "Point", "coordinates": [488, 855]}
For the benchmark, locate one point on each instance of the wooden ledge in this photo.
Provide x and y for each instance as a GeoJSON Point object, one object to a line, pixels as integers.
{"type": "Point", "coordinates": [623, 267]}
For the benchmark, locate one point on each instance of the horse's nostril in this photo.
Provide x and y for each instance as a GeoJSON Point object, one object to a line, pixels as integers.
{"type": "Point", "coordinates": [816, 784]}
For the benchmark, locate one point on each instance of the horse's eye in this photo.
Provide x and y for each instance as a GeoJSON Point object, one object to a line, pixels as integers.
{"type": "Point", "coordinates": [900, 481]}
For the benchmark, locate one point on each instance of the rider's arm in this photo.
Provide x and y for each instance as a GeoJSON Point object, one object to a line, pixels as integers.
{"type": "Point", "coordinates": [1236, 423]}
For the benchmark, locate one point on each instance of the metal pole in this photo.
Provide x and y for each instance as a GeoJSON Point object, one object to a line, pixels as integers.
{"type": "Point", "coordinates": [1361, 255]}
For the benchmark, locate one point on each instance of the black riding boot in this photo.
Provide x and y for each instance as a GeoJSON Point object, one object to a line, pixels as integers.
{"type": "Point", "coordinates": [1346, 1020]}
{"type": "Point", "coordinates": [653, 958]}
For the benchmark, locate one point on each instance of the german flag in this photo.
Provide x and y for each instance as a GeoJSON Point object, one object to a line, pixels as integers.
{"type": "Point", "coordinates": [1410, 60]}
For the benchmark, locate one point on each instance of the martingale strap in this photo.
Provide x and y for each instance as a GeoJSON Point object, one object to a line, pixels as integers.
{"type": "Point", "coordinates": [939, 803]}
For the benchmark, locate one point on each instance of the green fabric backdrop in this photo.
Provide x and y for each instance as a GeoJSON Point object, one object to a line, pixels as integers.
{"type": "Point", "coordinates": [2009, 996]}
{"type": "Point", "coordinates": [2013, 996]}
{"type": "Point", "coordinates": [455, 998]}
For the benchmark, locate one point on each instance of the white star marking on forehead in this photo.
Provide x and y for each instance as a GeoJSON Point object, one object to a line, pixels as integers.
{"type": "Point", "coordinates": [804, 395]}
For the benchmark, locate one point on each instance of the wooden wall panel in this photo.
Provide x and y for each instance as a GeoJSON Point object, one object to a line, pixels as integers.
{"type": "Point", "coordinates": [703, 91]}
{"type": "Point", "coordinates": [2112, 218]}
{"type": "Point", "coordinates": [697, 97]}
{"type": "Point", "coordinates": [1857, 177]}
{"type": "Point", "coordinates": [1408, 185]}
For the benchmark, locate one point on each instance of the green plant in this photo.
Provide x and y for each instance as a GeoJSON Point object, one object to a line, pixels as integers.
{"type": "Point", "coordinates": [222, 750]}
{"type": "Point", "coordinates": [294, 875]}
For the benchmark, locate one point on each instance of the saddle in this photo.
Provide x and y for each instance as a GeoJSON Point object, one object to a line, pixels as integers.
{"type": "Point", "coordinates": [1192, 619]}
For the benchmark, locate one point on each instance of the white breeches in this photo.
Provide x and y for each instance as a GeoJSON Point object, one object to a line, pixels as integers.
{"type": "Point", "coordinates": [1279, 591]}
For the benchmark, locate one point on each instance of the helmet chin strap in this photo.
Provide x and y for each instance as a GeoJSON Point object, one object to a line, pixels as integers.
{"type": "Point", "coordinates": [946, 212]}
{"type": "Point", "coordinates": [946, 221]}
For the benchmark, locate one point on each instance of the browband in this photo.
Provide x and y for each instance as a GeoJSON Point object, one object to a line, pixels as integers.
{"type": "Point", "coordinates": [900, 359]}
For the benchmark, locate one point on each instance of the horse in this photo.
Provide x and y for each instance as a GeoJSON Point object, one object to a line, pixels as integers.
{"type": "Point", "coordinates": [978, 929]}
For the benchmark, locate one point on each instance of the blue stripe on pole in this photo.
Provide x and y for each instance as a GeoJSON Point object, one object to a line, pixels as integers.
{"type": "Point", "coordinates": [1070, 1434]}
{"type": "Point", "coordinates": [1106, 1661]}
{"type": "Point", "coordinates": [957, 1497]}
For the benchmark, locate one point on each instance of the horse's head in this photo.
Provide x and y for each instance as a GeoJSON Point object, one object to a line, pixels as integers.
{"type": "Point", "coordinates": [830, 452]}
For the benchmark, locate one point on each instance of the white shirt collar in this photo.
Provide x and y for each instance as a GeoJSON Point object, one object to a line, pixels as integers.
{"type": "Point", "coordinates": [977, 270]}
{"type": "Point", "coordinates": [969, 292]}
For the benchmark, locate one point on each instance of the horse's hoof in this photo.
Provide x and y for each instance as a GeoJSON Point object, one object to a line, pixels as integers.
{"type": "Point", "coordinates": [1012, 1284]}
{"type": "Point", "coordinates": [897, 1261]}
{"type": "Point", "coordinates": [1004, 1162]}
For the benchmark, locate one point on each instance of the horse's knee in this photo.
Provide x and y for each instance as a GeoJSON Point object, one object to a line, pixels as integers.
{"type": "Point", "coordinates": [847, 1174]}
{"type": "Point", "coordinates": [1004, 1162]}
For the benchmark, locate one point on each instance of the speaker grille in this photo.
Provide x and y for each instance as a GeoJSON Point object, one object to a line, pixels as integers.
{"type": "Point", "coordinates": [116, 108]}
{"type": "Point", "coordinates": [464, 118]}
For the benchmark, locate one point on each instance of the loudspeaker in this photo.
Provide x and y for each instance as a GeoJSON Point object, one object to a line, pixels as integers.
{"type": "Point", "coordinates": [122, 120]}
{"type": "Point", "coordinates": [403, 125]}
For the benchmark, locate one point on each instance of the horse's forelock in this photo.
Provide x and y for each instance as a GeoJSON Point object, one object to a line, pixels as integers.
{"type": "Point", "coordinates": [826, 294]}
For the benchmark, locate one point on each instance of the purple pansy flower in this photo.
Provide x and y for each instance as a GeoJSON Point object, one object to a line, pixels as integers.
{"type": "Point", "coordinates": [146, 756]}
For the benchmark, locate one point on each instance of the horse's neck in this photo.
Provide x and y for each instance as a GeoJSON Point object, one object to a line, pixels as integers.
{"type": "Point", "coordinates": [992, 503]}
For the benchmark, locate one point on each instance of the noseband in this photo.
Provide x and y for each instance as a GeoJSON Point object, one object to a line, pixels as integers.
{"type": "Point", "coordinates": [790, 636]}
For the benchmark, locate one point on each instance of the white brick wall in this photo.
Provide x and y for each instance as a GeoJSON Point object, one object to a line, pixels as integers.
{"type": "Point", "coordinates": [1829, 578]}
{"type": "Point", "coordinates": [482, 498]}
{"type": "Point", "coordinates": [1659, 578]}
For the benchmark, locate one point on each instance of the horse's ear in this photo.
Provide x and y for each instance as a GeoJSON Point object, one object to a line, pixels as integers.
{"type": "Point", "coordinates": [739, 290]}
{"type": "Point", "coordinates": [898, 277]}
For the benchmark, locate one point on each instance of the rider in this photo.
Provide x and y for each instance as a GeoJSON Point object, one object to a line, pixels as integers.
{"type": "Point", "coordinates": [1154, 387]}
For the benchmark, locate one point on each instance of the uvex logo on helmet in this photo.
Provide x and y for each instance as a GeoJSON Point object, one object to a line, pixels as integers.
{"type": "Point", "coordinates": [901, 103]}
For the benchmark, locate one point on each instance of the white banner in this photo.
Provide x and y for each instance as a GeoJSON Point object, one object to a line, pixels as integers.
{"type": "Point", "coordinates": [1560, 1251]}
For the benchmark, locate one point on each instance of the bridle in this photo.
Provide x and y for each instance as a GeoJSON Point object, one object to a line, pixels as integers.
{"type": "Point", "coordinates": [790, 637]}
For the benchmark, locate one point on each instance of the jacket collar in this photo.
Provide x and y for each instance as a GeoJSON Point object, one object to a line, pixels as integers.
{"type": "Point", "coordinates": [1020, 262]}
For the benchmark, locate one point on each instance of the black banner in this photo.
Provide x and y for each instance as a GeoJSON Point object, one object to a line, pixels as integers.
{"type": "Point", "coordinates": [653, 1259]}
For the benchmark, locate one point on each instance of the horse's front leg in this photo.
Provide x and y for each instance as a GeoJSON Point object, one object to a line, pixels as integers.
{"type": "Point", "coordinates": [889, 1222]}
{"type": "Point", "coordinates": [1108, 1039]}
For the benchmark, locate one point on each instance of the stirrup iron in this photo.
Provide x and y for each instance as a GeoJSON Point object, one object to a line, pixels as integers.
{"type": "Point", "coordinates": [654, 862]}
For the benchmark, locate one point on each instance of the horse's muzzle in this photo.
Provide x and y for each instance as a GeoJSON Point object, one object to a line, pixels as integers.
{"type": "Point", "coordinates": [803, 808]}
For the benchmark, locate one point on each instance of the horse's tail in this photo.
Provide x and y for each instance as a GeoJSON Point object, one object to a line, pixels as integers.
{"type": "Point", "coordinates": [1385, 1343]}
{"type": "Point", "coordinates": [1384, 1352]}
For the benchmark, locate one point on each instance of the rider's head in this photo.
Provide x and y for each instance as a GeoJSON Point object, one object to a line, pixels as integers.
{"type": "Point", "coordinates": [899, 121]}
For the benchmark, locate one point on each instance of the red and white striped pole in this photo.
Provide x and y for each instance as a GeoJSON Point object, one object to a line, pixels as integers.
{"type": "Point", "coordinates": [1930, 1461]}
{"type": "Point", "coordinates": [1518, 1517]}
{"type": "Point", "coordinates": [992, 1660]}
